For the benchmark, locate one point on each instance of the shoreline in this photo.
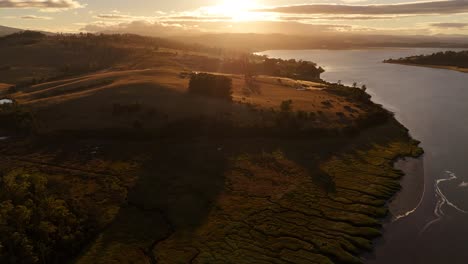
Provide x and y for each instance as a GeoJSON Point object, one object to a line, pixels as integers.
{"type": "Point", "coordinates": [408, 199]}
{"type": "Point", "coordinates": [355, 48]}
{"type": "Point", "coordinates": [406, 190]}
{"type": "Point", "coordinates": [450, 68]}
{"type": "Point", "coordinates": [404, 203]}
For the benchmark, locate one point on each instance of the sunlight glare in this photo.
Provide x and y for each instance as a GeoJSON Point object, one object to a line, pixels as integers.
{"type": "Point", "coordinates": [238, 10]}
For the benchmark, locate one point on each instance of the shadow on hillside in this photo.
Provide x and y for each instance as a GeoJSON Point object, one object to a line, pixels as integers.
{"type": "Point", "coordinates": [93, 109]}
{"type": "Point", "coordinates": [181, 179]}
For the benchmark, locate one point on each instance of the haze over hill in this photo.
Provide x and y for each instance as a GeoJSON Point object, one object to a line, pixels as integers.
{"type": "Point", "coordinates": [261, 41]}
{"type": "Point", "coordinates": [302, 24]}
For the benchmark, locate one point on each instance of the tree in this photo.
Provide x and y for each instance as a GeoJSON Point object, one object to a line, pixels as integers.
{"type": "Point", "coordinates": [286, 106]}
{"type": "Point", "coordinates": [34, 225]}
{"type": "Point", "coordinates": [364, 88]}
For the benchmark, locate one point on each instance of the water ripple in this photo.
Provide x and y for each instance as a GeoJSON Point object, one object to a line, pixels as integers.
{"type": "Point", "coordinates": [442, 200]}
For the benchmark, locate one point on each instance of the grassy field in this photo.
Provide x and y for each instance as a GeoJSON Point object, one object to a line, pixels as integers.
{"type": "Point", "coordinates": [154, 174]}
{"type": "Point", "coordinates": [86, 102]}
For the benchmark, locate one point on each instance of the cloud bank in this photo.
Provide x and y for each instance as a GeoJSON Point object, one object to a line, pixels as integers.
{"type": "Point", "coordinates": [431, 7]}
{"type": "Point", "coordinates": [32, 17]}
{"type": "Point", "coordinates": [450, 25]}
{"type": "Point", "coordinates": [42, 4]}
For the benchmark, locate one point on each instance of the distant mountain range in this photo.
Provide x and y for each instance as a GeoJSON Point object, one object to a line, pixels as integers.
{"type": "Point", "coordinates": [259, 42]}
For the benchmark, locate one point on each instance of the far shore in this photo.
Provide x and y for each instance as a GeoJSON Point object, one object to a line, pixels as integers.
{"type": "Point", "coordinates": [452, 68]}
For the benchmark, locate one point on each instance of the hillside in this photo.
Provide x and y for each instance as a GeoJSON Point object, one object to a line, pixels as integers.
{"type": "Point", "coordinates": [123, 164]}
{"type": "Point", "coordinates": [8, 30]}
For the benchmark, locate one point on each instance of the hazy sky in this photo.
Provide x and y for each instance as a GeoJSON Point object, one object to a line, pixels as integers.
{"type": "Point", "coordinates": [262, 16]}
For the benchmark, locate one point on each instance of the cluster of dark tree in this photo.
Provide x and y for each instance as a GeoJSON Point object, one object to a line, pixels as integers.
{"type": "Point", "coordinates": [251, 65]}
{"type": "Point", "coordinates": [303, 70]}
{"type": "Point", "coordinates": [447, 58]}
{"type": "Point", "coordinates": [23, 38]}
{"type": "Point", "coordinates": [135, 41]}
{"type": "Point", "coordinates": [71, 55]}
{"type": "Point", "coordinates": [77, 40]}
{"type": "Point", "coordinates": [17, 120]}
{"type": "Point", "coordinates": [90, 54]}
{"type": "Point", "coordinates": [74, 54]}
{"type": "Point", "coordinates": [353, 93]}
{"type": "Point", "coordinates": [375, 113]}
{"type": "Point", "coordinates": [211, 85]}
{"type": "Point", "coordinates": [35, 226]}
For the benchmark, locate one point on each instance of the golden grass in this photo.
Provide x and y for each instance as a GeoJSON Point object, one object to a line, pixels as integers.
{"type": "Point", "coordinates": [86, 101]}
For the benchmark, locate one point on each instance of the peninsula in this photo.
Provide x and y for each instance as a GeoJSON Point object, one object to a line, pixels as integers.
{"type": "Point", "coordinates": [449, 60]}
{"type": "Point", "coordinates": [131, 149]}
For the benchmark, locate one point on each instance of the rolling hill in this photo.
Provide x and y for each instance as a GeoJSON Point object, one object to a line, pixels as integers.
{"type": "Point", "coordinates": [8, 30]}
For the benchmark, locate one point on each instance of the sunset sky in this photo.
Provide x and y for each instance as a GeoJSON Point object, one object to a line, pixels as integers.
{"type": "Point", "coordinates": [262, 16]}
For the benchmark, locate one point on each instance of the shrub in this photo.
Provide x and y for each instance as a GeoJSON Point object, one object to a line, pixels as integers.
{"type": "Point", "coordinates": [211, 85]}
{"type": "Point", "coordinates": [16, 119]}
{"type": "Point", "coordinates": [302, 115]}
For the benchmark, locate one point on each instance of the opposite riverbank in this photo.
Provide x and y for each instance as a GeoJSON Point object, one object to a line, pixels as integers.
{"type": "Point", "coordinates": [452, 68]}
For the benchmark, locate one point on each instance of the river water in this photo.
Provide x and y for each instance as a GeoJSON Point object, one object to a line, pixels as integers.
{"type": "Point", "coordinates": [429, 217]}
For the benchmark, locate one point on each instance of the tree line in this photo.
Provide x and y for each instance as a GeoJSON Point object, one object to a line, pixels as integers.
{"type": "Point", "coordinates": [447, 58]}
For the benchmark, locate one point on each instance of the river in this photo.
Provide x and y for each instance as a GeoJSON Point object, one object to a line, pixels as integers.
{"type": "Point", "coordinates": [429, 217]}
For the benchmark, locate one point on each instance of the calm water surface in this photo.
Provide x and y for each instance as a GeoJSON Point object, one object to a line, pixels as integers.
{"type": "Point", "coordinates": [433, 104]}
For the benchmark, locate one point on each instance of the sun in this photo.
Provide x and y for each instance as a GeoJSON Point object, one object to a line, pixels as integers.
{"type": "Point", "coordinates": [238, 10]}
